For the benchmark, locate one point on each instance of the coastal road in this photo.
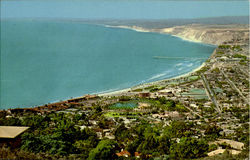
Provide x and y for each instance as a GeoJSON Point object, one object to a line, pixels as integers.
{"type": "Point", "coordinates": [210, 92]}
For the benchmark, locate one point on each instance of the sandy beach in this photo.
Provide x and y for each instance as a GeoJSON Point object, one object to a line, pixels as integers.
{"type": "Point", "coordinates": [164, 31]}
{"type": "Point", "coordinates": [193, 33]}
{"type": "Point", "coordinates": [126, 90]}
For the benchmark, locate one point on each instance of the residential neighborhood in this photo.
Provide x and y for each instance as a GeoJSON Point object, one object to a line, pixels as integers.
{"type": "Point", "coordinates": [209, 107]}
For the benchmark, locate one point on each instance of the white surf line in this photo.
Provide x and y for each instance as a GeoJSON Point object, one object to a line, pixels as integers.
{"type": "Point", "coordinates": [163, 57]}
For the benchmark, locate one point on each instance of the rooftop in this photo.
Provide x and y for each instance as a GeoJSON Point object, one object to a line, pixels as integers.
{"type": "Point", "coordinates": [11, 131]}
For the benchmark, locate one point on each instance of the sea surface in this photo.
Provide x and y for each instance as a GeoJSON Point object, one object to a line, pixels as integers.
{"type": "Point", "coordinates": [47, 61]}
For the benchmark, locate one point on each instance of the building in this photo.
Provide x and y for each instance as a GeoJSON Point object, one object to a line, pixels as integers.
{"type": "Point", "coordinates": [10, 135]}
{"type": "Point", "coordinates": [144, 95]}
{"type": "Point", "coordinates": [220, 151]}
{"type": "Point", "coordinates": [137, 154]}
{"type": "Point", "coordinates": [87, 97]}
{"type": "Point", "coordinates": [123, 153]}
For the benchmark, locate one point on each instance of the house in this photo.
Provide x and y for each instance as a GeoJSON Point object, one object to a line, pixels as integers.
{"type": "Point", "coordinates": [232, 143]}
{"type": "Point", "coordinates": [166, 92]}
{"type": "Point", "coordinates": [88, 96]}
{"type": "Point", "coordinates": [10, 135]}
{"type": "Point", "coordinates": [193, 105]}
{"type": "Point", "coordinates": [142, 106]}
{"type": "Point", "coordinates": [82, 98]}
{"type": "Point", "coordinates": [137, 155]}
{"type": "Point", "coordinates": [109, 135]}
{"type": "Point", "coordinates": [75, 100]}
{"type": "Point", "coordinates": [144, 95]}
{"type": "Point", "coordinates": [93, 122]}
{"type": "Point", "coordinates": [99, 135]}
{"type": "Point", "coordinates": [123, 153]}
{"type": "Point", "coordinates": [220, 151]}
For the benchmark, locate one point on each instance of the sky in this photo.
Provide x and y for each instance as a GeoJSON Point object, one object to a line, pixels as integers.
{"type": "Point", "coordinates": [122, 9]}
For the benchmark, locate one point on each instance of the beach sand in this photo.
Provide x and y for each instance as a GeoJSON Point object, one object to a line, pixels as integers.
{"type": "Point", "coordinates": [124, 91]}
{"type": "Point", "coordinates": [171, 31]}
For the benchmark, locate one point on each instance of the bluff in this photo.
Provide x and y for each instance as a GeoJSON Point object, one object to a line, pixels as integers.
{"type": "Point", "coordinates": [209, 34]}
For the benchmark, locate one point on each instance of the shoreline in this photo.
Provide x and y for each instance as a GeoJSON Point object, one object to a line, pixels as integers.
{"type": "Point", "coordinates": [159, 31]}
{"type": "Point", "coordinates": [118, 92]}
{"type": "Point", "coordinates": [141, 29]}
{"type": "Point", "coordinates": [143, 85]}
{"type": "Point", "coordinates": [127, 90]}
{"type": "Point", "coordinates": [121, 91]}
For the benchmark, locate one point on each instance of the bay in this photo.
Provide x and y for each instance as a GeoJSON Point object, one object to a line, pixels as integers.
{"type": "Point", "coordinates": [47, 61]}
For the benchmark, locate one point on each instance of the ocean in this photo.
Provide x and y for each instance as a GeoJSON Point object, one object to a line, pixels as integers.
{"type": "Point", "coordinates": [48, 61]}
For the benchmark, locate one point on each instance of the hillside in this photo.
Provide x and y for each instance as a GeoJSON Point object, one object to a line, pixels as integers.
{"type": "Point", "coordinates": [210, 34]}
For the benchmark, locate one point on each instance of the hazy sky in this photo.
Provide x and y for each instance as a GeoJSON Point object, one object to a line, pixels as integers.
{"type": "Point", "coordinates": [122, 9]}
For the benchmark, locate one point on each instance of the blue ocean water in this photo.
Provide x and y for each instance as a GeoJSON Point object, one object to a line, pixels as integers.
{"type": "Point", "coordinates": [47, 61]}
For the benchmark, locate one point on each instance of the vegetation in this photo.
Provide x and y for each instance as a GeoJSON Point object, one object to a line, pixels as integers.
{"type": "Point", "coordinates": [224, 46]}
{"type": "Point", "coordinates": [58, 134]}
{"type": "Point", "coordinates": [137, 90]}
{"type": "Point", "coordinates": [236, 48]}
{"type": "Point", "coordinates": [189, 148]}
{"type": "Point", "coordinates": [220, 52]}
{"type": "Point", "coordinates": [153, 128]}
{"type": "Point", "coordinates": [240, 56]}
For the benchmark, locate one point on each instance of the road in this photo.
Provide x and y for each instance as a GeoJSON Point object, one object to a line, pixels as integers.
{"type": "Point", "coordinates": [234, 86]}
{"type": "Point", "coordinates": [210, 92]}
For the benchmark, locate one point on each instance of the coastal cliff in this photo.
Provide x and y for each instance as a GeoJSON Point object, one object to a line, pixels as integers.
{"type": "Point", "coordinates": [209, 34]}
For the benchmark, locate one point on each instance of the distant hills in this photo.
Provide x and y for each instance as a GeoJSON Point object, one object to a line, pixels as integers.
{"type": "Point", "coordinates": [145, 23]}
{"type": "Point", "coordinates": [153, 23]}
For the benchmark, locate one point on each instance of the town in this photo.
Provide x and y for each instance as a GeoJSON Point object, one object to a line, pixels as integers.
{"type": "Point", "coordinates": [204, 115]}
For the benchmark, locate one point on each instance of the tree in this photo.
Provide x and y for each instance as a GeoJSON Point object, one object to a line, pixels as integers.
{"type": "Point", "coordinates": [12, 121]}
{"type": "Point", "coordinates": [122, 133]}
{"type": "Point", "coordinates": [212, 132]}
{"type": "Point", "coordinates": [103, 122]}
{"type": "Point", "coordinates": [164, 144]}
{"type": "Point", "coordinates": [170, 104]}
{"type": "Point", "coordinates": [105, 150]}
{"type": "Point", "coordinates": [30, 143]}
{"type": "Point", "coordinates": [44, 143]}
{"type": "Point", "coordinates": [36, 121]}
{"type": "Point", "coordinates": [189, 148]}
{"type": "Point", "coordinates": [179, 129]}
{"type": "Point", "coordinates": [85, 145]}
{"type": "Point", "coordinates": [66, 131]}
{"type": "Point", "coordinates": [149, 145]}
{"type": "Point", "coordinates": [98, 109]}
{"type": "Point", "coordinates": [78, 117]}
{"type": "Point", "coordinates": [163, 100]}
{"type": "Point", "coordinates": [133, 145]}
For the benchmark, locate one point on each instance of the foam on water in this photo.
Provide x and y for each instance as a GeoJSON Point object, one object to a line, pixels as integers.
{"type": "Point", "coordinates": [157, 76]}
{"type": "Point", "coordinates": [190, 65]}
{"type": "Point", "coordinates": [179, 64]}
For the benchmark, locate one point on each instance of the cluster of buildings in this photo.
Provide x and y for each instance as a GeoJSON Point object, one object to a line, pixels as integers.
{"type": "Point", "coordinates": [208, 95]}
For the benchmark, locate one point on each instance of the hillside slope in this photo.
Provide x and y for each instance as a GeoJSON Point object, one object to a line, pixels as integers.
{"type": "Point", "coordinates": [210, 34]}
